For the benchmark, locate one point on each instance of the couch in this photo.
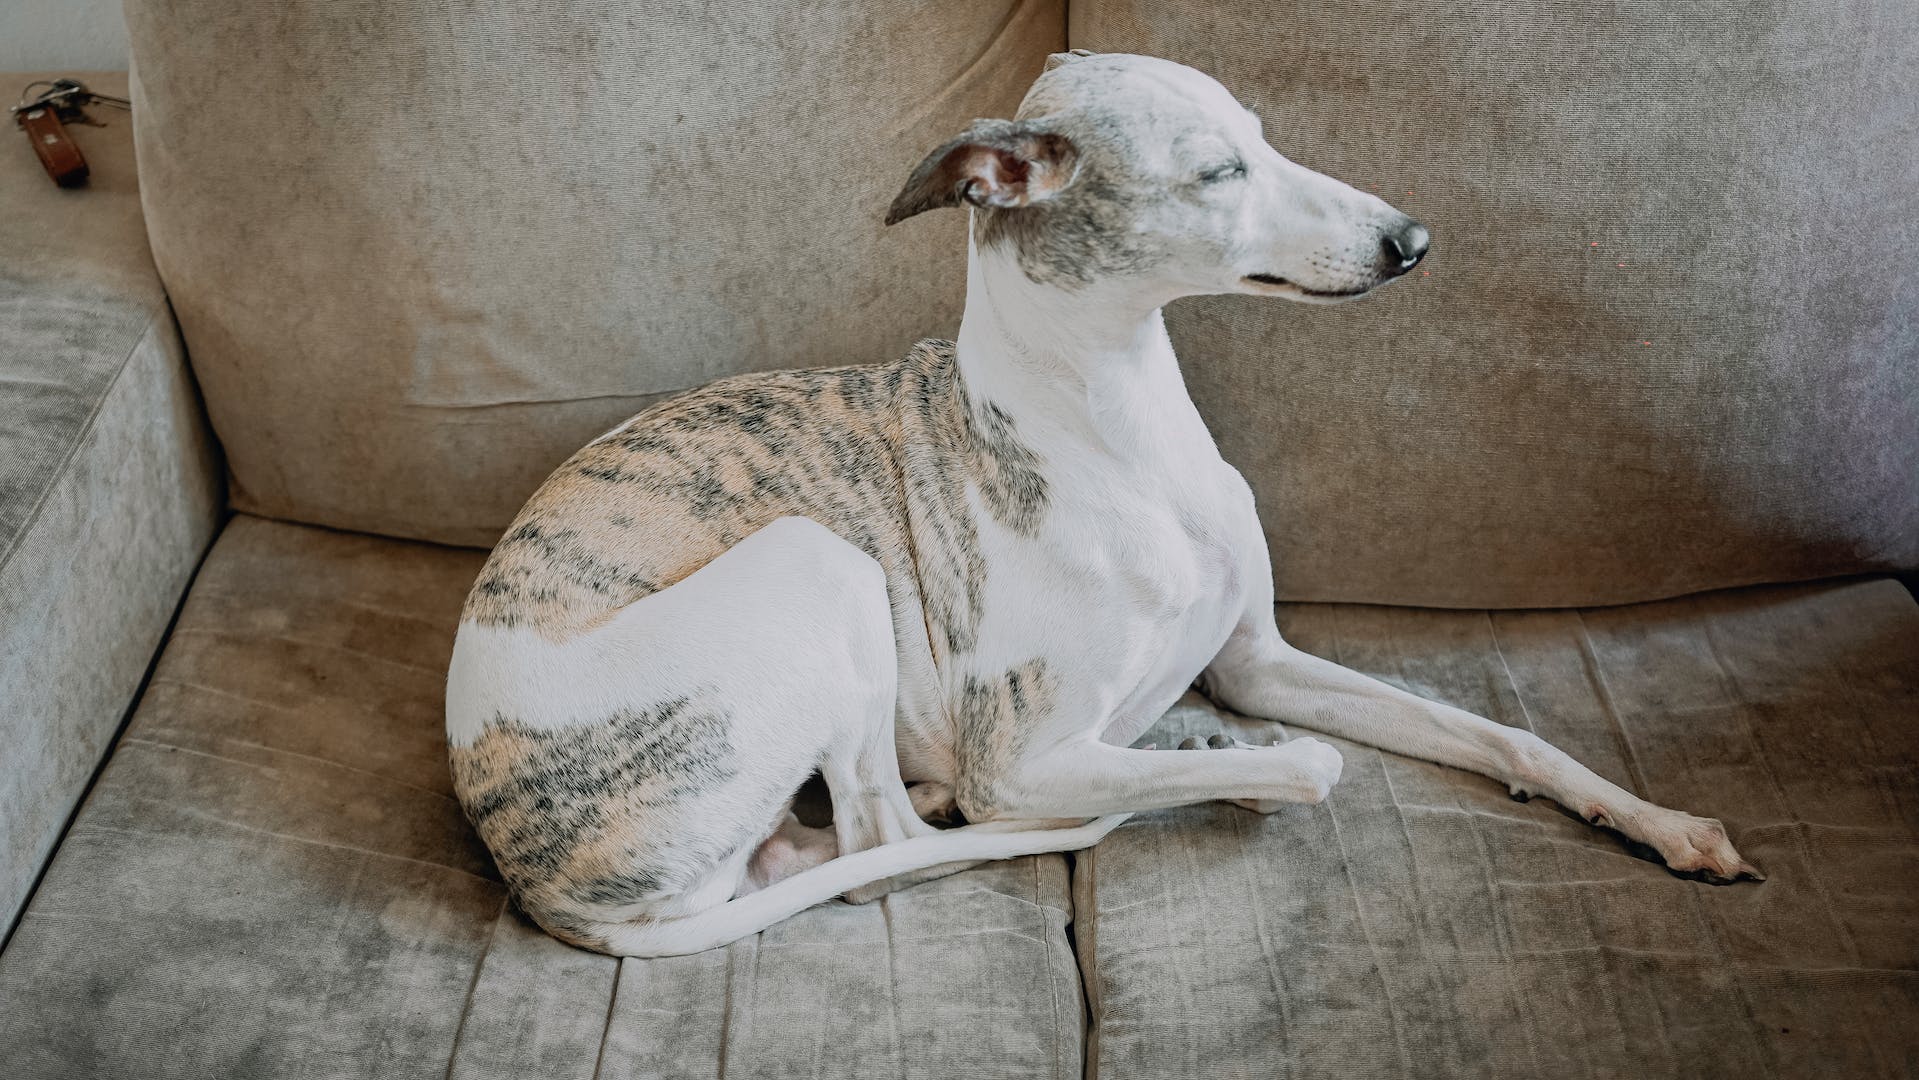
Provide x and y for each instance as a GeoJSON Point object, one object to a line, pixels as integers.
{"type": "Point", "coordinates": [1634, 464]}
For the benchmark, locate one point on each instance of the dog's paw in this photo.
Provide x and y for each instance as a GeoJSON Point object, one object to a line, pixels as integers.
{"type": "Point", "coordinates": [871, 891]}
{"type": "Point", "coordinates": [1261, 806]}
{"type": "Point", "coordinates": [1691, 847]}
{"type": "Point", "coordinates": [1223, 741]}
{"type": "Point", "coordinates": [1321, 763]}
{"type": "Point", "coordinates": [934, 802]}
{"type": "Point", "coordinates": [1318, 765]}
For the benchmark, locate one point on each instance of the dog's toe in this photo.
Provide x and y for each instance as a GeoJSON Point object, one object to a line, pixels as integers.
{"type": "Point", "coordinates": [1220, 741]}
{"type": "Point", "coordinates": [1190, 742]}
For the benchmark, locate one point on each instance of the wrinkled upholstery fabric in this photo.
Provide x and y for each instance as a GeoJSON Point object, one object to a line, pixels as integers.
{"type": "Point", "coordinates": [109, 491]}
{"type": "Point", "coordinates": [1422, 924]}
{"type": "Point", "coordinates": [433, 249]}
{"type": "Point", "coordinates": [1666, 340]}
{"type": "Point", "coordinates": [271, 878]}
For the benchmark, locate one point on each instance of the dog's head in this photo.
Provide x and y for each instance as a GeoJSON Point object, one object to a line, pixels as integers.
{"type": "Point", "coordinates": [1135, 166]}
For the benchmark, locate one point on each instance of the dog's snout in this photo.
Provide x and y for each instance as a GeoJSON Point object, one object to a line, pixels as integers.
{"type": "Point", "coordinates": [1404, 245]}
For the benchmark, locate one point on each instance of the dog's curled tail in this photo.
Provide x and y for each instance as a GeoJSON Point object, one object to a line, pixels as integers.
{"type": "Point", "coordinates": [735, 919]}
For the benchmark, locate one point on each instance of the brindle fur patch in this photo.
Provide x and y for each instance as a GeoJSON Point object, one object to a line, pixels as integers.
{"type": "Point", "coordinates": [599, 815]}
{"type": "Point", "coordinates": [1079, 236]}
{"type": "Point", "coordinates": [882, 456]}
{"type": "Point", "coordinates": [991, 719]}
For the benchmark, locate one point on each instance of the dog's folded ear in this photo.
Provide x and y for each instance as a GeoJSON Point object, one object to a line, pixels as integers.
{"type": "Point", "coordinates": [996, 163]}
{"type": "Point", "coordinates": [1067, 57]}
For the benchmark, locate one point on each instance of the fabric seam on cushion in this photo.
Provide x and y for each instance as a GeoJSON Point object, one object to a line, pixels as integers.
{"type": "Point", "coordinates": [893, 982]}
{"type": "Point", "coordinates": [721, 1056]}
{"type": "Point", "coordinates": [531, 402]}
{"type": "Point", "coordinates": [613, 999]}
{"type": "Point", "coordinates": [1265, 937]}
{"type": "Point", "coordinates": [307, 643]}
{"type": "Point", "coordinates": [1690, 589]}
{"type": "Point", "coordinates": [80, 439]}
{"type": "Point", "coordinates": [1502, 931]}
{"type": "Point", "coordinates": [1085, 941]}
{"type": "Point", "coordinates": [479, 968]}
{"type": "Point", "coordinates": [277, 750]}
{"type": "Point", "coordinates": [1046, 943]}
{"type": "Point", "coordinates": [1359, 911]}
{"type": "Point", "coordinates": [1589, 654]}
{"type": "Point", "coordinates": [1588, 660]}
{"type": "Point", "coordinates": [240, 510]}
{"type": "Point", "coordinates": [1496, 886]}
{"type": "Point", "coordinates": [197, 815]}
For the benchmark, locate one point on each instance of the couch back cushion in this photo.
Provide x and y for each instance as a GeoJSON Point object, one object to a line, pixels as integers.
{"type": "Point", "coordinates": [1668, 337]}
{"type": "Point", "coordinates": [1667, 340]}
{"type": "Point", "coordinates": [421, 254]}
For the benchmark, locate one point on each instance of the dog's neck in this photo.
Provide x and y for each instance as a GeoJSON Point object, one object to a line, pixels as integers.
{"type": "Point", "coordinates": [1082, 367]}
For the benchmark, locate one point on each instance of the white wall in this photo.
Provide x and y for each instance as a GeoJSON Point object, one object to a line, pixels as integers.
{"type": "Point", "coordinates": [60, 35]}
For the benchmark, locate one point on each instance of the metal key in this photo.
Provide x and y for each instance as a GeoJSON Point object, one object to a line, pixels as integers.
{"type": "Point", "coordinates": [44, 115]}
{"type": "Point", "coordinates": [69, 98]}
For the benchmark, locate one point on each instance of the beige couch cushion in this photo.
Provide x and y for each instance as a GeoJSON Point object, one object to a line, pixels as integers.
{"type": "Point", "coordinates": [421, 255]}
{"type": "Point", "coordinates": [1666, 340]}
{"type": "Point", "coordinates": [109, 486]}
{"type": "Point", "coordinates": [272, 879]}
{"type": "Point", "coordinates": [1421, 924]}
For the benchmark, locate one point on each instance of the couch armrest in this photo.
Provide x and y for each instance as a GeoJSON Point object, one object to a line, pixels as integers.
{"type": "Point", "coordinates": [110, 486]}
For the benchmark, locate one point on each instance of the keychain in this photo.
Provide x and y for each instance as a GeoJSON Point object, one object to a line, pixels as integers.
{"type": "Point", "coordinates": [44, 118]}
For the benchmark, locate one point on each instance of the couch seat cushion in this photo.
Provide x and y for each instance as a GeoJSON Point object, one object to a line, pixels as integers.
{"type": "Point", "coordinates": [271, 878]}
{"type": "Point", "coordinates": [1422, 924]}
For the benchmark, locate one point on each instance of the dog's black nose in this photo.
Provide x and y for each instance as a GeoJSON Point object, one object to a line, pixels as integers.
{"type": "Point", "coordinates": [1404, 245]}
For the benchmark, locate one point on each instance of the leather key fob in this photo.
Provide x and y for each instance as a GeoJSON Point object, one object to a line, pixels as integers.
{"type": "Point", "coordinates": [57, 150]}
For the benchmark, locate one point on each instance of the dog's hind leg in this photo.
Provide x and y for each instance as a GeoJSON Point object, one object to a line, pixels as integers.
{"type": "Point", "coordinates": [871, 806]}
{"type": "Point", "coordinates": [632, 771]}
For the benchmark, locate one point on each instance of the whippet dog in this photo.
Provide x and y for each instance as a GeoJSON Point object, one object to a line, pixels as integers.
{"type": "Point", "coordinates": [983, 570]}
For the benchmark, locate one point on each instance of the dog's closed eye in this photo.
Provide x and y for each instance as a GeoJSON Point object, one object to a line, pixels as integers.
{"type": "Point", "coordinates": [1231, 170]}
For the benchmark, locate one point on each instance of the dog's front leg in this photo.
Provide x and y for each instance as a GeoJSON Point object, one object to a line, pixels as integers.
{"type": "Point", "coordinates": [1085, 778]}
{"type": "Point", "coordinates": [1260, 674]}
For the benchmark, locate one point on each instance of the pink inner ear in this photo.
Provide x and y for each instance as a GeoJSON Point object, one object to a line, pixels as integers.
{"type": "Point", "coordinates": [994, 177]}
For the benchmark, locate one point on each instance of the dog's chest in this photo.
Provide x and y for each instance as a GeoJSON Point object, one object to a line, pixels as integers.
{"type": "Point", "coordinates": [1161, 562]}
{"type": "Point", "coordinates": [1128, 590]}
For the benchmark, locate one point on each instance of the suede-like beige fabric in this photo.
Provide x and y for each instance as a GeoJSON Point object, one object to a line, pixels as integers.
{"type": "Point", "coordinates": [272, 879]}
{"type": "Point", "coordinates": [421, 252]}
{"type": "Point", "coordinates": [109, 487]}
{"type": "Point", "coordinates": [1668, 336]}
{"type": "Point", "coordinates": [1421, 924]}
